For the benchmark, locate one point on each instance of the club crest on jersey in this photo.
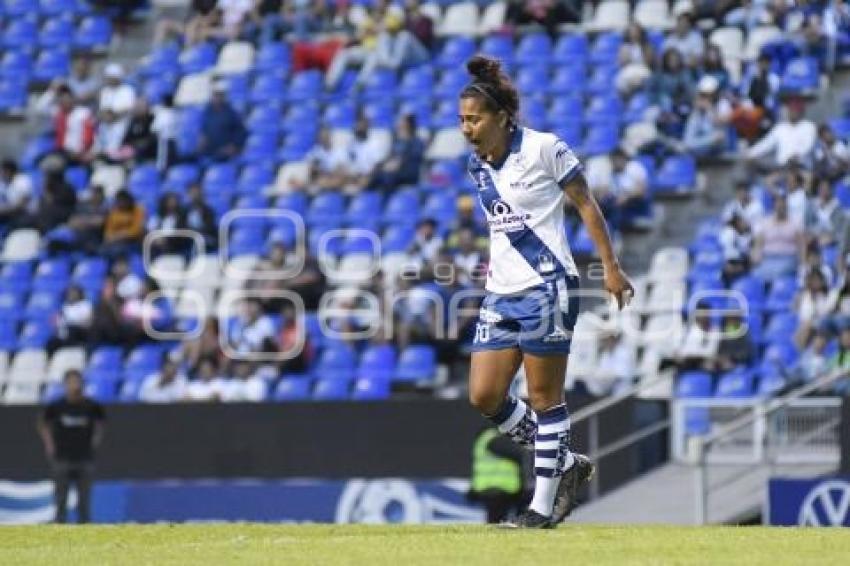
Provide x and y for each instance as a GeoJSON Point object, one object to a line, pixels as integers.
{"type": "Point", "coordinates": [500, 208]}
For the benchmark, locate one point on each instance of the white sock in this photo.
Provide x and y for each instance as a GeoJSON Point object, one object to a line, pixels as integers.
{"type": "Point", "coordinates": [552, 456]}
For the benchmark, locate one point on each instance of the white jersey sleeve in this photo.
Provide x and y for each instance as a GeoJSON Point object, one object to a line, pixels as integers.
{"type": "Point", "coordinates": [558, 159]}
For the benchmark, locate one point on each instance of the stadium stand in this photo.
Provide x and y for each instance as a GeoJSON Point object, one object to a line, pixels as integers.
{"type": "Point", "coordinates": [233, 120]}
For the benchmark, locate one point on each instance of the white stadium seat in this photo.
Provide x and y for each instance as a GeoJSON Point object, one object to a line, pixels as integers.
{"type": "Point", "coordinates": [653, 14]}
{"type": "Point", "coordinates": [28, 366]}
{"type": "Point", "coordinates": [21, 394]}
{"type": "Point", "coordinates": [63, 360]}
{"type": "Point", "coordinates": [287, 174]}
{"type": "Point", "coordinates": [4, 365]}
{"type": "Point", "coordinates": [204, 271]}
{"type": "Point", "coordinates": [448, 143]}
{"type": "Point", "coordinates": [460, 19]}
{"type": "Point", "coordinates": [669, 264]}
{"type": "Point", "coordinates": [354, 269]}
{"type": "Point", "coordinates": [433, 11]}
{"type": "Point", "coordinates": [663, 332]}
{"type": "Point", "coordinates": [666, 296]}
{"type": "Point", "coordinates": [21, 245]}
{"type": "Point", "coordinates": [757, 38]}
{"type": "Point", "coordinates": [235, 57]}
{"type": "Point", "coordinates": [493, 18]}
{"type": "Point", "coordinates": [610, 15]}
{"type": "Point", "coordinates": [194, 90]}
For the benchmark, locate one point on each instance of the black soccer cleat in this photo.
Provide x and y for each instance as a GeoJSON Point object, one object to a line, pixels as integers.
{"type": "Point", "coordinates": [530, 519]}
{"type": "Point", "coordinates": [566, 498]}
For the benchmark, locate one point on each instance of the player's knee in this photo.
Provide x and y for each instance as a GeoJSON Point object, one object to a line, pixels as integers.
{"type": "Point", "coordinates": [543, 397]}
{"type": "Point", "coordinates": [484, 401]}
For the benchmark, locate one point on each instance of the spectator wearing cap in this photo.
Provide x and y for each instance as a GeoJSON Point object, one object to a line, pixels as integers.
{"type": "Point", "coordinates": [793, 138]}
{"type": "Point", "coordinates": [222, 130]}
{"type": "Point", "coordinates": [779, 243]}
{"type": "Point", "coordinates": [116, 95]}
{"type": "Point", "coordinates": [705, 129]}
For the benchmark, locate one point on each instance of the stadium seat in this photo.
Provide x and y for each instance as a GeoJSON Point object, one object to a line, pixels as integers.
{"type": "Point", "coordinates": [326, 207]}
{"type": "Point", "coordinates": [337, 362]}
{"type": "Point", "coordinates": [604, 110]}
{"type": "Point", "coordinates": [193, 90]}
{"type": "Point", "coordinates": [330, 389]}
{"type": "Point", "coordinates": [11, 306]}
{"type": "Point", "coordinates": [273, 57]}
{"type": "Point", "coordinates": [63, 360]}
{"type": "Point", "coordinates": [21, 245]}
{"type": "Point", "coordinates": [492, 17]}
{"type": "Point", "coordinates": [757, 38]}
{"type": "Point", "coordinates": [52, 64]}
{"type": "Point", "coordinates": [21, 8]}
{"type": "Point", "coordinates": [21, 34]}
{"type": "Point", "coordinates": [371, 389]}
{"type": "Point", "coordinates": [198, 58]}
{"type": "Point", "coordinates": [605, 48]}
{"type": "Point", "coordinates": [781, 296]}
{"type": "Point", "coordinates": [235, 57]}
{"type": "Point", "coordinates": [781, 351]}
{"type": "Point", "coordinates": [770, 384]}
{"type": "Point", "coordinates": [293, 388]}
{"type": "Point", "coordinates": [378, 362]}
{"type": "Point", "coordinates": [676, 176]}
{"type": "Point", "coordinates": [571, 49]}
{"type": "Point", "coordinates": [568, 83]}
{"type": "Point", "coordinates": [653, 14]}
{"type": "Point", "coordinates": [416, 364]}
{"type": "Point", "coordinates": [401, 208]}
{"type": "Point", "coordinates": [455, 52]}
{"type": "Point", "coordinates": [735, 383]}
{"type": "Point", "coordinates": [693, 384]}
{"type": "Point", "coordinates": [28, 366]}
{"type": "Point", "coordinates": [460, 18]}
{"type": "Point", "coordinates": [94, 33]}
{"type": "Point", "coordinates": [142, 361]}
{"type": "Point", "coordinates": [801, 77]}
{"type": "Point", "coordinates": [534, 49]}
{"type": "Point", "coordinates": [21, 394]}
{"type": "Point", "coordinates": [600, 140]}
{"type": "Point", "coordinates": [499, 46]}
{"type": "Point", "coordinates": [306, 85]}
{"type": "Point", "coordinates": [611, 15]}
{"type": "Point", "coordinates": [56, 32]}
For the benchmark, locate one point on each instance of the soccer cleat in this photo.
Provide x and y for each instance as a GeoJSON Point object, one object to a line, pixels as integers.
{"type": "Point", "coordinates": [530, 519]}
{"type": "Point", "coordinates": [565, 498]}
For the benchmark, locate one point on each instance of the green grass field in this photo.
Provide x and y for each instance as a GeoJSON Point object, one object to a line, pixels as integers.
{"type": "Point", "coordinates": [410, 546]}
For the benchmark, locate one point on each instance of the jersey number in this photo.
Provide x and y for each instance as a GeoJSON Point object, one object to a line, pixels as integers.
{"type": "Point", "coordinates": [482, 332]}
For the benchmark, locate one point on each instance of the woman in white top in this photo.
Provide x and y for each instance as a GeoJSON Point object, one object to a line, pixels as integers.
{"type": "Point", "coordinates": [528, 314]}
{"type": "Point", "coordinates": [73, 321]}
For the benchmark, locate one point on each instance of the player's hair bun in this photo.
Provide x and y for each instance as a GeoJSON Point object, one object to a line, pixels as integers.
{"type": "Point", "coordinates": [484, 69]}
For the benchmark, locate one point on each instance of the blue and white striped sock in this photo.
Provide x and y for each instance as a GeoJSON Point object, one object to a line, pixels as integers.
{"type": "Point", "coordinates": [517, 420]}
{"type": "Point", "coordinates": [552, 456]}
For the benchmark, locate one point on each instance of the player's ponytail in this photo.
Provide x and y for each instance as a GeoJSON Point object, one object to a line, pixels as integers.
{"type": "Point", "coordinates": [493, 86]}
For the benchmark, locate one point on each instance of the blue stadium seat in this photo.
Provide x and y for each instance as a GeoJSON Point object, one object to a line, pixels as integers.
{"type": "Point", "coordinates": [254, 179]}
{"type": "Point", "coordinates": [268, 88]}
{"type": "Point", "coordinates": [752, 288]}
{"type": "Point", "coordinates": [293, 388]}
{"type": "Point", "coordinates": [198, 58]}
{"type": "Point", "coordinates": [378, 362]}
{"type": "Point", "coordinates": [220, 178]}
{"type": "Point", "coordinates": [397, 239]}
{"type": "Point", "coordinates": [330, 389]}
{"type": "Point", "coordinates": [52, 392]}
{"type": "Point", "coordinates": [499, 46]}
{"type": "Point", "coordinates": [246, 241]}
{"type": "Point", "coordinates": [53, 8]}
{"type": "Point", "coordinates": [381, 113]}
{"type": "Point", "coordinates": [102, 391]}
{"type": "Point", "coordinates": [402, 208]}
{"type": "Point", "coordinates": [381, 84]}
{"type": "Point", "coordinates": [16, 64]}
{"type": "Point", "coordinates": [571, 49]}
{"type": "Point", "coordinates": [600, 139]}
{"type": "Point", "coordinates": [605, 110]}
{"type": "Point", "coordinates": [530, 81]}
{"type": "Point", "coordinates": [144, 179]}
{"type": "Point", "coordinates": [52, 64]}
{"type": "Point", "coordinates": [636, 108]}
{"type": "Point", "coordinates": [371, 389]}
{"type": "Point", "coordinates": [142, 361]}
{"type": "Point", "coordinates": [782, 293]}
{"type": "Point", "coordinates": [52, 275]}
{"type": "Point", "coordinates": [446, 173]}
{"type": "Point", "coordinates": [183, 175]}
{"type": "Point", "coordinates": [34, 334]}
{"type": "Point", "coordinates": [42, 305]}
{"type": "Point", "coordinates": [260, 149]}
{"type": "Point", "coordinates": [326, 207]}
{"type": "Point", "coordinates": [780, 326]}
{"type": "Point", "coordinates": [534, 48]}
{"type": "Point", "coordinates": [602, 80]}
{"type": "Point", "coordinates": [89, 267]}
{"type": "Point", "coordinates": [446, 114]}
{"type": "Point", "coordinates": [606, 48]}
{"type": "Point", "coordinates": [363, 206]}
{"type": "Point", "coordinates": [78, 177]}
{"type": "Point", "coordinates": [692, 384]}
{"type": "Point", "coordinates": [416, 363]}
{"type": "Point", "coordinates": [13, 97]}
{"type": "Point", "coordinates": [306, 85]}
{"type": "Point", "coordinates": [21, 34]}
{"type": "Point", "coordinates": [581, 243]}
{"type": "Point", "coordinates": [735, 383]}
{"type": "Point", "coordinates": [11, 306]}
{"type": "Point", "coordinates": [56, 32]}
{"type": "Point", "coordinates": [801, 76]}
{"type": "Point", "coordinates": [296, 145]}
{"type": "Point", "coordinates": [296, 202]}
{"type": "Point", "coordinates": [21, 8]}
{"type": "Point", "coordinates": [455, 52]}
{"type": "Point", "coordinates": [570, 132]}
{"type": "Point", "coordinates": [569, 81]}
{"type": "Point", "coordinates": [342, 114]}
{"type": "Point", "coordinates": [451, 83]}
{"type": "Point", "coordinates": [8, 334]}
{"type": "Point", "coordinates": [442, 207]}
{"type": "Point", "coordinates": [106, 358]}
{"type": "Point", "coordinates": [781, 351]}
{"type": "Point", "coordinates": [337, 362]}
{"type": "Point", "coordinates": [274, 57]}
{"type": "Point", "coordinates": [770, 384]}
{"type": "Point", "coordinates": [841, 128]}
{"type": "Point", "coordinates": [162, 60]}
{"type": "Point", "coordinates": [678, 175]}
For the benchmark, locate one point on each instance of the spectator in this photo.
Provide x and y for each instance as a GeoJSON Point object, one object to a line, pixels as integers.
{"type": "Point", "coordinates": [466, 207]}
{"type": "Point", "coordinates": [245, 385]}
{"type": "Point", "coordinates": [201, 218]}
{"type": "Point", "coordinates": [790, 139]}
{"type": "Point", "coordinates": [293, 331]}
{"type": "Point", "coordinates": [713, 66]}
{"type": "Point", "coordinates": [839, 305]}
{"type": "Point", "coordinates": [812, 305]}
{"type": "Point", "coordinates": [116, 95]}
{"type": "Point", "coordinates": [72, 430]}
{"type": "Point", "coordinates": [86, 223]}
{"type": "Point", "coordinates": [127, 283]}
{"type": "Point", "coordinates": [16, 196]}
{"type": "Point", "coordinates": [57, 203]}
{"type": "Point", "coordinates": [778, 244]}
{"type": "Point", "coordinates": [829, 219]}
{"type": "Point", "coordinates": [207, 384]}
{"type": "Point", "coordinates": [419, 24]}
{"type": "Point", "coordinates": [468, 257]}
{"type": "Point", "coordinates": [107, 324]}
{"type": "Point", "coordinates": [635, 57]}
{"type": "Point", "coordinates": [630, 191]}
{"type": "Point", "coordinates": [795, 187]}
{"type": "Point", "coordinates": [546, 13]}
{"type": "Point", "coordinates": [744, 205]}
{"type": "Point", "coordinates": [109, 136]}
{"type": "Point", "coordinates": [841, 361]}
{"type": "Point", "coordinates": [328, 164]}
{"type": "Point", "coordinates": [125, 226]}
{"type": "Point", "coordinates": [700, 343]}
{"type": "Point", "coordinates": [83, 83]}
{"type": "Point", "coordinates": [403, 165]}
{"type": "Point", "coordinates": [752, 114]}
{"type": "Point", "coordinates": [366, 151]}
{"type": "Point", "coordinates": [830, 156]}
{"type": "Point", "coordinates": [251, 331]}
{"type": "Point", "coordinates": [309, 283]}
{"type": "Point", "coordinates": [735, 348]}
{"type": "Point", "coordinates": [616, 367]}
{"type": "Point", "coordinates": [147, 311]}
{"type": "Point", "coordinates": [671, 92]}
{"type": "Point", "coordinates": [73, 127]}
{"type": "Point", "coordinates": [170, 216]}
{"type": "Point", "coordinates": [234, 16]}
{"type": "Point", "coordinates": [355, 54]}
{"type": "Point", "coordinates": [705, 129]}
{"type": "Point", "coordinates": [164, 125]}
{"type": "Point", "coordinates": [747, 14]}
{"type": "Point", "coordinates": [396, 49]}
{"type": "Point", "coordinates": [814, 260]}
{"type": "Point", "coordinates": [72, 322]}
{"type": "Point", "coordinates": [813, 361]}
{"type": "Point", "coordinates": [191, 29]}
{"type": "Point", "coordinates": [736, 241]}
{"type": "Point", "coordinates": [686, 40]}
{"type": "Point", "coordinates": [140, 141]}
{"type": "Point", "coordinates": [426, 242]}
{"type": "Point", "coordinates": [222, 130]}
{"type": "Point", "coordinates": [168, 385]}
{"type": "Point", "coordinates": [205, 346]}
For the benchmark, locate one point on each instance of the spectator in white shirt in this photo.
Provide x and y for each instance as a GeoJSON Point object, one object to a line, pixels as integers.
{"type": "Point", "coordinates": [109, 138]}
{"type": "Point", "coordinates": [252, 331]}
{"type": "Point", "coordinates": [831, 156]}
{"type": "Point", "coordinates": [700, 343]}
{"type": "Point", "coordinates": [629, 185]}
{"type": "Point", "coordinates": [73, 322]}
{"type": "Point", "coordinates": [165, 386]}
{"type": "Point", "coordinates": [233, 15]}
{"type": "Point", "coordinates": [814, 305]}
{"type": "Point", "coordinates": [790, 139]}
{"type": "Point", "coordinates": [686, 40]}
{"type": "Point", "coordinates": [116, 95]}
{"type": "Point", "coordinates": [616, 367]}
{"type": "Point", "coordinates": [165, 127]}
{"type": "Point", "coordinates": [246, 385]}
{"type": "Point", "coordinates": [744, 205]}
{"type": "Point", "coordinates": [83, 83]}
{"type": "Point", "coordinates": [426, 241]}
{"type": "Point", "coordinates": [366, 151]}
{"type": "Point", "coordinates": [328, 165]}
{"type": "Point", "coordinates": [207, 385]}
{"type": "Point", "coordinates": [15, 191]}
{"type": "Point", "coordinates": [468, 257]}
{"type": "Point", "coordinates": [736, 240]}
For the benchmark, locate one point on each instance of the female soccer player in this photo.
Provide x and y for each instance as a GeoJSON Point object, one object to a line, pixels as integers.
{"type": "Point", "coordinates": [531, 304]}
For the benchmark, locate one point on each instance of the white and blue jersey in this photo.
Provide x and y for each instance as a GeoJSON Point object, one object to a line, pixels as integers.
{"type": "Point", "coordinates": [532, 280]}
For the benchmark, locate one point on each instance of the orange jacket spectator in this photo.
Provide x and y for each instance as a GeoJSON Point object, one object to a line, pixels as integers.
{"type": "Point", "coordinates": [125, 221]}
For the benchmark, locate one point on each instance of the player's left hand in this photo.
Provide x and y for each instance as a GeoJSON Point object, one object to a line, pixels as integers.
{"type": "Point", "coordinates": [619, 286]}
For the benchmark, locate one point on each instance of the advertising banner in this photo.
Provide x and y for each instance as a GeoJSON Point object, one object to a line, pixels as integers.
{"type": "Point", "coordinates": [821, 502]}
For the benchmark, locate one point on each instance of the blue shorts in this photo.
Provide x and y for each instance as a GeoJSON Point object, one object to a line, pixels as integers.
{"type": "Point", "coordinates": [539, 320]}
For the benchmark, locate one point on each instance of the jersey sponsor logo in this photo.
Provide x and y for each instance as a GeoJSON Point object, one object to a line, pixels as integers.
{"type": "Point", "coordinates": [519, 186]}
{"type": "Point", "coordinates": [504, 219]}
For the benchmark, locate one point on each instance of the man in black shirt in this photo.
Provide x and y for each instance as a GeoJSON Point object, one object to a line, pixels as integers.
{"type": "Point", "coordinates": [72, 429]}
